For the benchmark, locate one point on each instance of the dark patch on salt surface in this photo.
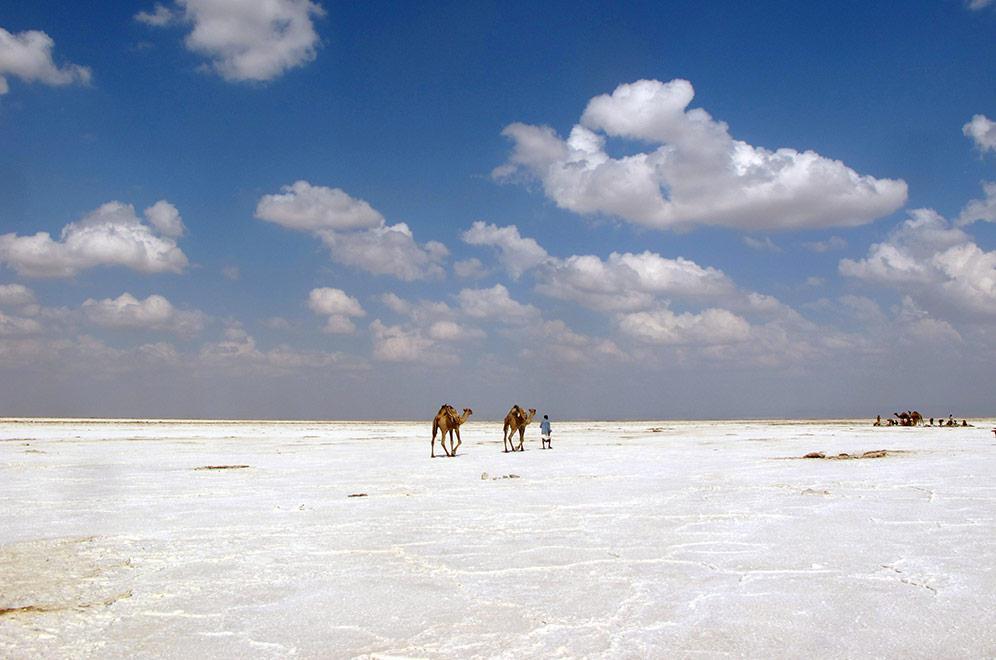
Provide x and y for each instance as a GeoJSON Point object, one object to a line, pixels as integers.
{"type": "Point", "coordinates": [876, 453]}
{"type": "Point", "coordinates": [33, 609]}
{"type": "Point", "coordinates": [357, 495]}
{"type": "Point", "coordinates": [222, 467]}
{"type": "Point", "coordinates": [909, 581]}
{"type": "Point", "coordinates": [485, 476]}
{"type": "Point", "coordinates": [810, 491]}
{"type": "Point", "coordinates": [28, 608]}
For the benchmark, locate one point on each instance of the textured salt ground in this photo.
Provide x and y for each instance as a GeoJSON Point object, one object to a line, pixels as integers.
{"type": "Point", "coordinates": [697, 539]}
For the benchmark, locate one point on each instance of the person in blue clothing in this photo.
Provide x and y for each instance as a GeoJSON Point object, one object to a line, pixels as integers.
{"type": "Point", "coordinates": [545, 433]}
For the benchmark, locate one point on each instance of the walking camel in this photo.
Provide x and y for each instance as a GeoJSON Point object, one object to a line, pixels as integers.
{"type": "Point", "coordinates": [446, 420]}
{"type": "Point", "coordinates": [516, 420]}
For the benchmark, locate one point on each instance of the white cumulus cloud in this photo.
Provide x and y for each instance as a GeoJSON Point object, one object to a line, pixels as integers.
{"type": "Point", "coordinates": [470, 269]}
{"type": "Point", "coordinates": [694, 172]}
{"type": "Point", "coordinates": [166, 219]}
{"type": "Point", "coordinates": [338, 306]}
{"type": "Point", "coordinates": [518, 254]}
{"type": "Point", "coordinates": [630, 281]}
{"type": "Point", "coordinates": [12, 326]}
{"type": "Point", "coordinates": [555, 340]}
{"type": "Point", "coordinates": [430, 326]}
{"type": "Point", "coordinates": [396, 343]}
{"type": "Point", "coordinates": [495, 303]}
{"type": "Point", "coordinates": [980, 209]}
{"type": "Point", "coordinates": [111, 235]}
{"type": "Point", "coordinates": [354, 232]}
{"type": "Point", "coordinates": [663, 326]}
{"type": "Point", "coordinates": [28, 56]}
{"type": "Point", "coordinates": [159, 16]}
{"type": "Point", "coordinates": [982, 130]}
{"type": "Point", "coordinates": [153, 313]}
{"type": "Point", "coordinates": [245, 40]}
{"type": "Point", "coordinates": [387, 250]}
{"type": "Point", "coordinates": [453, 331]}
{"type": "Point", "coordinates": [929, 258]}
{"type": "Point", "coordinates": [311, 208]}
{"type": "Point", "coordinates": [15, 295]}
{"type": "Point", "coordinates": [238, 351]}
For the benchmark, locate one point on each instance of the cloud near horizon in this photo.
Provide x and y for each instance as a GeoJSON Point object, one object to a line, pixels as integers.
{"type": "Point", "coordinates": [662, 326]}
{"type": "Point", "coordinates": [154, 313]}
{"type": "Point", "coordinates": [15, 295]}
{"type": "Point", "coordinates": [694, 174]}
{"type": "Point", "coordinates": [110, 235]}
{"type": "Point", "coordinates": [934, 262]}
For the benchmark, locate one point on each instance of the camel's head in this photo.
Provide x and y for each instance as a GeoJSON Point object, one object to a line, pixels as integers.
{"type": "Point", "coordinates": [468, 411]}
{"type": "Point", "coordinates": [532, 411]}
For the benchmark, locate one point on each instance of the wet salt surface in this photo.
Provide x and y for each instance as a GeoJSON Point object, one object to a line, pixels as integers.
{"type": "Point", "coordinates": [698, 539]}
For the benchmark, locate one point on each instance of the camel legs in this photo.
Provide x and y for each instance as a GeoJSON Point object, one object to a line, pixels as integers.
{"type": "Point", "coordinates": [442, 443]}
{"type": "Point", "coordinates": [522, 437]}
{"type": "Point", "coordinates": [459, 442]}
{"type": "Point", "coordinates": [504, 437]}
{"type": "Point", "coordinates": [510, 436]}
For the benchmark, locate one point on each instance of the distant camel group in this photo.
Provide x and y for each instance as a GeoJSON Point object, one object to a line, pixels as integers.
{"type": "Point", "coordinates": [914, 418]}
{"type": "Point", "coordinates": [448, 421]}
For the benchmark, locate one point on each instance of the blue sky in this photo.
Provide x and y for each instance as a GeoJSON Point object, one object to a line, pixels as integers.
{"type": "Point", "coordinates": [686, 211]}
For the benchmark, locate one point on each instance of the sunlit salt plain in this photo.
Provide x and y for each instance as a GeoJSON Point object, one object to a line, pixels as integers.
{"type": "Point", "coordinates": [627, 539]}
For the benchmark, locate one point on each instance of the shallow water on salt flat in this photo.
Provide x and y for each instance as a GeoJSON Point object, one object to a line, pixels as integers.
{"type": "Point", "coordinates": [628, 539]}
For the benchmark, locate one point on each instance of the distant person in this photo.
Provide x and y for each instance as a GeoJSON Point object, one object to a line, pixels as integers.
{"type": "Point", "coordinates": [878, 420]}
{"type": "Point", "coordinates": [931, 421]}
{"type": "Point", "coordinates": [545, 433]}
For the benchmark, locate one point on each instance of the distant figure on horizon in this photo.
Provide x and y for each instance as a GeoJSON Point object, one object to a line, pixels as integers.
{"type": "Point", "coordinates": [878, 420]}
{"type": "Point", "coordinates": [545, 433]}
{"type": "Point", "coordinates": [931, 421]}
